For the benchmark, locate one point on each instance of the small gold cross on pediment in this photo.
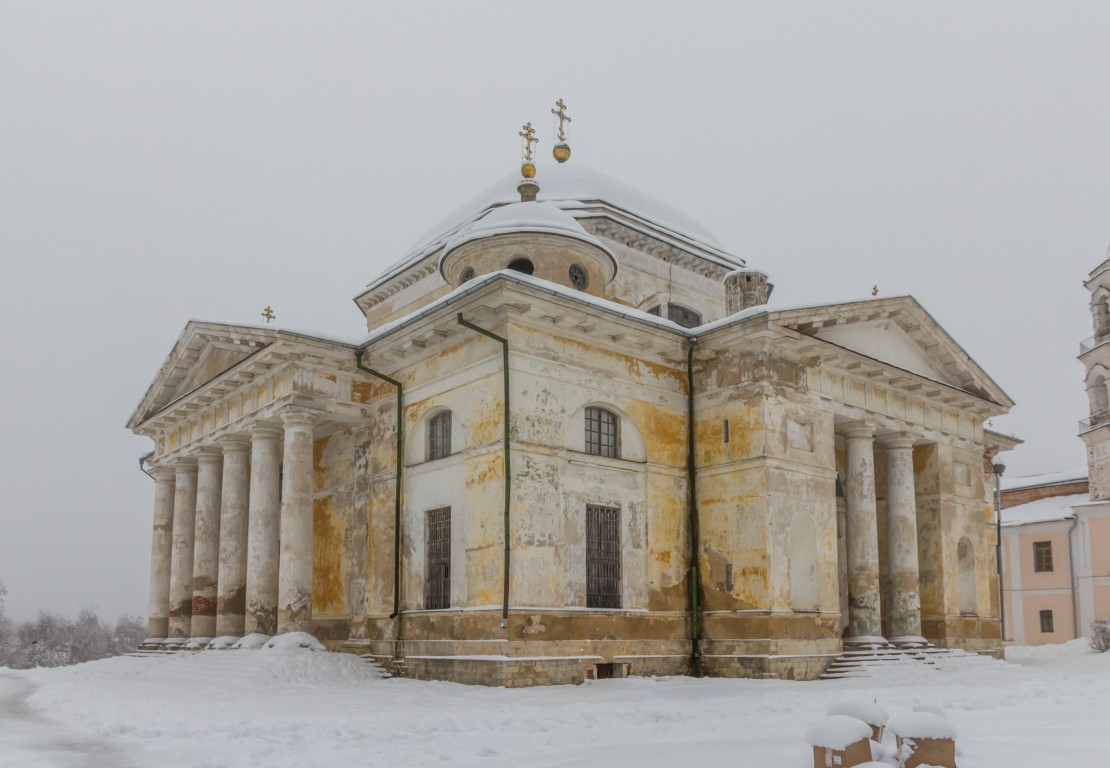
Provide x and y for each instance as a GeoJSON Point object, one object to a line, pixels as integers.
{"type": "Point", "coordinates": [268, 313]}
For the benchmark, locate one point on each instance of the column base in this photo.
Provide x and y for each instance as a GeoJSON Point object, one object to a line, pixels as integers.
{"type": "Point", "coordinates": [910, 641]}
{"type": "Point", "coordinates": [865, 642]}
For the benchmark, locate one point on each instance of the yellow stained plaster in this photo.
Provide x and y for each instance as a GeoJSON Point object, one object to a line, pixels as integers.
{"type": "Point", "coordinates": [327, 570]}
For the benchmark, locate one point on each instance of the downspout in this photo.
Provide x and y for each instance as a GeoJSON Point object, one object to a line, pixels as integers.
{"type": "Point", "coordinates": [998, 470]}
{"type": "Point", "coordinates": [142, 462]}
{"type": "Point", "coordinates": [1071, 580]}
{"type": "Point", "coordinates": [508, 468]}
{"type": "Point", "coordinates": [398, 486]}
{"type": "Point", "coordinates": [692, 509]}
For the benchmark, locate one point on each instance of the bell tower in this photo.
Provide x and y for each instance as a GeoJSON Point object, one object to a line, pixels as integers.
{"type": "Point", "coordinates": [1094, 353]}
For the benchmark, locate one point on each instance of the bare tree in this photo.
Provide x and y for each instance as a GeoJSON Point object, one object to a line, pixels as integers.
{"type": "Point", "coordinates": [1100, 635]}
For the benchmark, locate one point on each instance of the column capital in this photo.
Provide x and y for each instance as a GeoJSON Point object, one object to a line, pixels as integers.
{"type": "Point", "coordinates": [234, 443]}
{"type": "Point", "coordinates": [163, 474]}
{"type": "Point", "coordinates": [210, 455]}
{"type": "Point", "coordinates": [294, 416]}
{"type": "Point", "coordinates": [185, 466]}
{"type": "Point", "coordinates": [898, 440]}
{"type": "Point", "coordinates": [859, 430]}
{"type": "Point", "coordinates": [264, 431]}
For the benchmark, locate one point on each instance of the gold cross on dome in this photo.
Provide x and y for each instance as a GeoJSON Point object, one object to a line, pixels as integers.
{"type": "Point", "coordinates": [268, 313]}
{"type": "Point", "coordinates": [529, 136]}
{"type": "Point", "coordinates": [562, 115]}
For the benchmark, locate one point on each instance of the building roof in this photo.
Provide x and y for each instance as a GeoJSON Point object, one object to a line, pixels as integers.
{"type": "Point", "coordinates": [583, 193]}
{"type": "Point", "coordinates": [1044, 510]}
{"type": "Point", "coordinates": [531, 217]}
{"type": "Point", "coordinates": [1073, 475]}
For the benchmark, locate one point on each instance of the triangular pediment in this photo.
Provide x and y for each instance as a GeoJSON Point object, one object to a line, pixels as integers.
{"type": "Point", "coordinates": [202, 352]}
{"type": "Point", "coordinates": [886, 341]}
{"type": "Point", "coordinates": [899, 333]}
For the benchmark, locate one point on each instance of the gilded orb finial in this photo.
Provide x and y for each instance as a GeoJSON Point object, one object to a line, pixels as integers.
{"type": "Point", "coordinates": [561, 151]}
{"type": "Point", "coordinates": [527, 167]}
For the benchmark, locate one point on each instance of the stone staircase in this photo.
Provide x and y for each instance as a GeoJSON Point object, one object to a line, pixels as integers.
{"type": "Point", "coordinates": [872, 661]}
{"type": "Point", "coordinates": [382, 672]}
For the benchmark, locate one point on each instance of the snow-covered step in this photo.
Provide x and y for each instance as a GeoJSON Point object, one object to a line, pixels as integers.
{"type": "Point", "coordinates": [372, 661]}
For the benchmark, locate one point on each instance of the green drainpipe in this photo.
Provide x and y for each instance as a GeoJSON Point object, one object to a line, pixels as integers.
{"type": "Point", "coordinates": [508, 469]}
{"type": "Point", "coordinates": [398, 486]}
{"type": "Point", "coordinates": [692, 509]}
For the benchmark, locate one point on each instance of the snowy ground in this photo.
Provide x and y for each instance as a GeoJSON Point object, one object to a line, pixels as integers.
{"type": "Point", "coordinates": [1049, 706]}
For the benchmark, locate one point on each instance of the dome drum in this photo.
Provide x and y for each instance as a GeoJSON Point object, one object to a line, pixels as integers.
{"type": "Point", "coordinates": [564, 260]}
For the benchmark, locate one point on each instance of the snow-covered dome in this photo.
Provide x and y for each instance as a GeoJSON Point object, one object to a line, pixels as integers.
{"type": "Point", "coordinates": [531, 237]}
{"type": "Point", "coordinates": [573, 189]}
{"type": "Point", "coordinates": [532, 217]}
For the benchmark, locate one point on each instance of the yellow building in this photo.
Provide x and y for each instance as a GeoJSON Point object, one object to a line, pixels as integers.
{"type": "Point", "coordinates": [575, 441]}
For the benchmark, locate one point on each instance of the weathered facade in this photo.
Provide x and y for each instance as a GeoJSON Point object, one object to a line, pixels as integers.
{"type": "Point", "coordinates": [576, 441]}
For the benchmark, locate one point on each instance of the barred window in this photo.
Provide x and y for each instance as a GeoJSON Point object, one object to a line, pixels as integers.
{"type": "Point", "coordinates": [687, 318]}
{"type": "Point", "coordinates": [1046, 622]}
{"type": "Point", "coordinates": [437, 583]}
{"type": "Point", "coordinates": [602, 433]}
{"type": "Point", "coordinates": [1042, 556]}
{"type": "Point", "coordinates": [439, 435]}
{"type": "Point", "coordinates": [603, 557]}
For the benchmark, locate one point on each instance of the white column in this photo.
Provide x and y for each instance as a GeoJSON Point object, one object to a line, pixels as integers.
{"type": "Point", "coordinates": [262, 531]}
{"type": "Point", "coordinates": [181, 559]}
{"type": "Point", "coordinates": [231, 594]}
{"type": "Point", "coordinates": [206, 543]}
{"type": "Point", "coordinates": [864, 612]}
{"type": "Point", "coordinates": [901, 506]}
{"type": "Point", "coordinates": [295, 573]}
{"type": "Point", "coordinates": [161, 554]}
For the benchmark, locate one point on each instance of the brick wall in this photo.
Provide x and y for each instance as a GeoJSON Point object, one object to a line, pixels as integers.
{"type": "Point", "coordinates": [1019, 496]}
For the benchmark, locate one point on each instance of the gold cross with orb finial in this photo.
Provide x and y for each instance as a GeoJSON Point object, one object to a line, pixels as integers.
{"type": "Point", "coordinates": [529, 136]}
{"type": "Point", "coordinates": [268, 313]}
{"type": "Point", "coordinates": [562, 115]}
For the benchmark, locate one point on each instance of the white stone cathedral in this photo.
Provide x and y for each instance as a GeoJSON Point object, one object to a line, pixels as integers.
{"type": "Point", "coordinates": [574, 442]}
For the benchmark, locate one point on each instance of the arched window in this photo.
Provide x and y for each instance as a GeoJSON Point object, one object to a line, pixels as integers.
{"type": "Point", "coordinates": [438, 442]}
{"type": "Point", "coordinates": [965, 584]}
{"type": "Point", "coordinates": [602, 433]}
{"type": "Point", "coordinates": [1102, 318]}
{"type": "Point", "coordinates": [522, 265]}
{"type": "Point", "coordinates": [1097, 393]}
{"type": "Point", "coordinates": [687, 318]}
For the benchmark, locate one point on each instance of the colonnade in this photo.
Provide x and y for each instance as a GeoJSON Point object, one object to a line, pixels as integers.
{"type": "Point", "coordinates": [231, 552]}
{"type": "Point", "coordinates": [864, 596]}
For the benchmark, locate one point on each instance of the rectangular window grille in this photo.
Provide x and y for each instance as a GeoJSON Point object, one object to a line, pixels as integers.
{"type": "Point", "coordinates": [603, 557]}
{"type": "Point", "coordinates": [687, 318]}
{"type": "Point", "coordinates": [437, 585]}
{"type": "Point", "coordinates": [602, 433]}
{"type": "Point", "coordinates": [1046, 622]}
{"type": "Point", "coordinates": [439, 436]}
{"type": "Point", "coordinates": [1042, 556]}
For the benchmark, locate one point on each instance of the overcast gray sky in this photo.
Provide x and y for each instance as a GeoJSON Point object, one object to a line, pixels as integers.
{"type": "Point", "coordinates": [160, 162]}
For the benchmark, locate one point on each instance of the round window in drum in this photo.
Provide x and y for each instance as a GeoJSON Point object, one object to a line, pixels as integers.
{"type": "Point", "coordinates": [578, 277]}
